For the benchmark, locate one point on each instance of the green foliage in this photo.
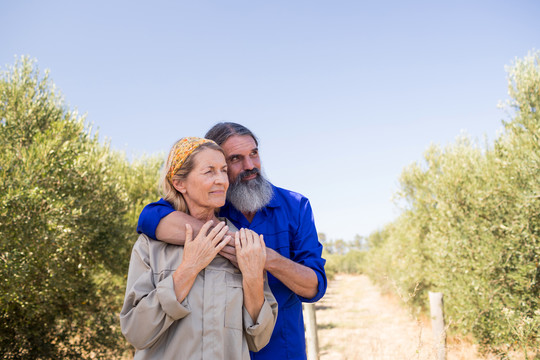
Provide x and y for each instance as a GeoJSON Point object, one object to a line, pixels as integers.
{"type": "Point", "coordinates": [471, 226]}
{"type": "Point", "coordinates": [66, 225]}
{"type": "Point", "coordinates": [141, 182]}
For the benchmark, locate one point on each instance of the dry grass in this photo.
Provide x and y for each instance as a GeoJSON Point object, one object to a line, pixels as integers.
{"type": "Point", "coordinates": [356, 322]}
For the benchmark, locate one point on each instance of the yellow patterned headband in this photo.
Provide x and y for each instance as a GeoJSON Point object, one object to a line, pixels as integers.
{"type": "Point", "coordinates": [180, 152]}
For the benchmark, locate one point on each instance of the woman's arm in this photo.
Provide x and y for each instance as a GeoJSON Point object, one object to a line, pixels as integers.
{"type": "Point", "coordinates": [260, 306]}
{"type": "Point", "coordinates": [258, 333]}
{"type": "Point", "coordinates": [149, 310]}
{"type": "Point", "coordinates": [251, 256]}
{"type": "Point", "coordinates": [198, 253]}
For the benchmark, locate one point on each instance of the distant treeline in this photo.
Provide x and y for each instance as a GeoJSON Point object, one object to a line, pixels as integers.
{"type": "Point", "coordinates": [343, 256]}
{"type": "Point", "coordinates": [470, 227]}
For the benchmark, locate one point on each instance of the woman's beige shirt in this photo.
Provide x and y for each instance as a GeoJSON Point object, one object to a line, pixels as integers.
{"type": "Point", "coordinates": [210, 323]}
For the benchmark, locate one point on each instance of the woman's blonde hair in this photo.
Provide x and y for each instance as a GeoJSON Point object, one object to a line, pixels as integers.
{"type": "Point", "coordinates": [168, 192]}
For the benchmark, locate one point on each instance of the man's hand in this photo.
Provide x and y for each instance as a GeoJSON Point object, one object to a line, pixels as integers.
{"type": "Point", "coordinates": [229, 251]}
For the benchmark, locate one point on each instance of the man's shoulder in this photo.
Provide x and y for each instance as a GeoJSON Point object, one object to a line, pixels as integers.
{"type": "Point", "coordinates": [289, 197]}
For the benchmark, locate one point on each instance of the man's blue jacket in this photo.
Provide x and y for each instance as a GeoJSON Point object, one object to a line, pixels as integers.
{"type": "Point", "coordinates": [288, 227]}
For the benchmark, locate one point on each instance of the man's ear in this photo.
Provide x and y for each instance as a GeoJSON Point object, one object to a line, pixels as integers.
{"type": "Point", "coordinates": [179, 186]}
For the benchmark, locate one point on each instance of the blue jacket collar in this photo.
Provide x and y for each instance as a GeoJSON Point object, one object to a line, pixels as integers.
{"type": "Point", "coordinates": [274, 202]}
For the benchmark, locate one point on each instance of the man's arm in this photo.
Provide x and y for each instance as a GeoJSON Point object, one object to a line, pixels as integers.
{"type": "Point", "coordinates": [172, 228]}
{"type": "Point", "coordinates": [160, 221]}
{"type": "Point", "coordinates": [303, 270]}
{"type": "Point", "coordinates": [300, 279]}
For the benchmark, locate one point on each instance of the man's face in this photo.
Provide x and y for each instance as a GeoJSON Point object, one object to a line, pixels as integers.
{"type": "Point", "coordinates": [242, 155]}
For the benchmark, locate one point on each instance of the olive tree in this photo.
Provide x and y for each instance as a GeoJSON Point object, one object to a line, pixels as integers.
{"type": "Point", "coordinates": [471, 226]}
{"type": "Point", "coordinates": [66, 225]}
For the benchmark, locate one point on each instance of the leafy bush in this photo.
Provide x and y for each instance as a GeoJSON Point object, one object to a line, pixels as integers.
{"type": "Point", "coordinates": [471, 225]}
{"type": "Point", "coordinates": [66, 225]}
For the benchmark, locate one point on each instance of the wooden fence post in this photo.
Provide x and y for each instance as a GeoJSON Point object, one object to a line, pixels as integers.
{"type": "Point", "coordinates": [312, 341]}
{"type": "Point", "coordinates": [437, 324]}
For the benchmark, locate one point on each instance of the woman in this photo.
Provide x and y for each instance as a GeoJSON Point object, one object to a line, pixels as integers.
{"type": "Point", "coordinates": [188, 302]}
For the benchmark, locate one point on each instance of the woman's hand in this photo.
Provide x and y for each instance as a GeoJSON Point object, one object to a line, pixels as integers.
{"type": "Point", "coordinates": [250, 253]}
{"type": "Point", "coordinates": [251, 256]}
{"type": "Point", "coordinates": [198, 253]}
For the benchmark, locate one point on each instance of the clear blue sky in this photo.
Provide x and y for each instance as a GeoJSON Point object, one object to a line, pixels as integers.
{"type": "Point", "coordinates": [342, 94]}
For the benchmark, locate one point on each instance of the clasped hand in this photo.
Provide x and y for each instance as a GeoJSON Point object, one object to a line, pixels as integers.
{"type": "Point", "coordinates": [200, 252]}
{"type": "Point", "coordinates": [250, 253]}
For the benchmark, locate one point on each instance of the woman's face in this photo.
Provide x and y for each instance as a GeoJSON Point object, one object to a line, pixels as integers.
{"type": "Point", "coordinates": [206, 185]}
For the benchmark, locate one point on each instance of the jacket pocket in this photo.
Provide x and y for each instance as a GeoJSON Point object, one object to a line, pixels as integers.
{"type": "Point", "coordinates": [235, 301]}
{"type": "Point", "coordinates": [280, 242]}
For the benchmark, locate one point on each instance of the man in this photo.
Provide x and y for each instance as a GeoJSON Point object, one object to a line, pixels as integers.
{"type": "Point", "coordinates": [294, 263]}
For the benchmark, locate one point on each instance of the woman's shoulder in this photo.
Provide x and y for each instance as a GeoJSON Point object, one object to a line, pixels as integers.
{"type": "Point", "coordinates": [146, 244]}
{"type": "Point", "coordinates": [144, 240]}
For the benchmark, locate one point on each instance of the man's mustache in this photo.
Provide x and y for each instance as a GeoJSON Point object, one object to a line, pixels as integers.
{"type": "Point", "coordinates": [245, 174]}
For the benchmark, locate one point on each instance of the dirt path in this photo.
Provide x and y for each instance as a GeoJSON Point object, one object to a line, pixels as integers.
{"type": "Point", "coordinates": [356, 322]}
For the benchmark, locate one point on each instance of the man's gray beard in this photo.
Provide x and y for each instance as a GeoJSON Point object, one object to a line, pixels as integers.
{"type": "Point", "coordinates": [250, 196]}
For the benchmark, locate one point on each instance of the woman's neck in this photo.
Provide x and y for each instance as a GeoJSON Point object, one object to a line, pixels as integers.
{"type": "Point", "coordinates": [203, 214]}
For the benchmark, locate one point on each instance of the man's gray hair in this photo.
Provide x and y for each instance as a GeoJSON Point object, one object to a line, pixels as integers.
{"type": "Point", "coordinates": [224, 130]}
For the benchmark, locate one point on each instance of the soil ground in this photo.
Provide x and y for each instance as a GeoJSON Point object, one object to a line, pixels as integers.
{"type": "Point", "coordinates": [355, 321]}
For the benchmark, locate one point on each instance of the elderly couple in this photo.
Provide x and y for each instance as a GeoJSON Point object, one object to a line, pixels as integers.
{"type": "Point", "coordinates": [206, 290]}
